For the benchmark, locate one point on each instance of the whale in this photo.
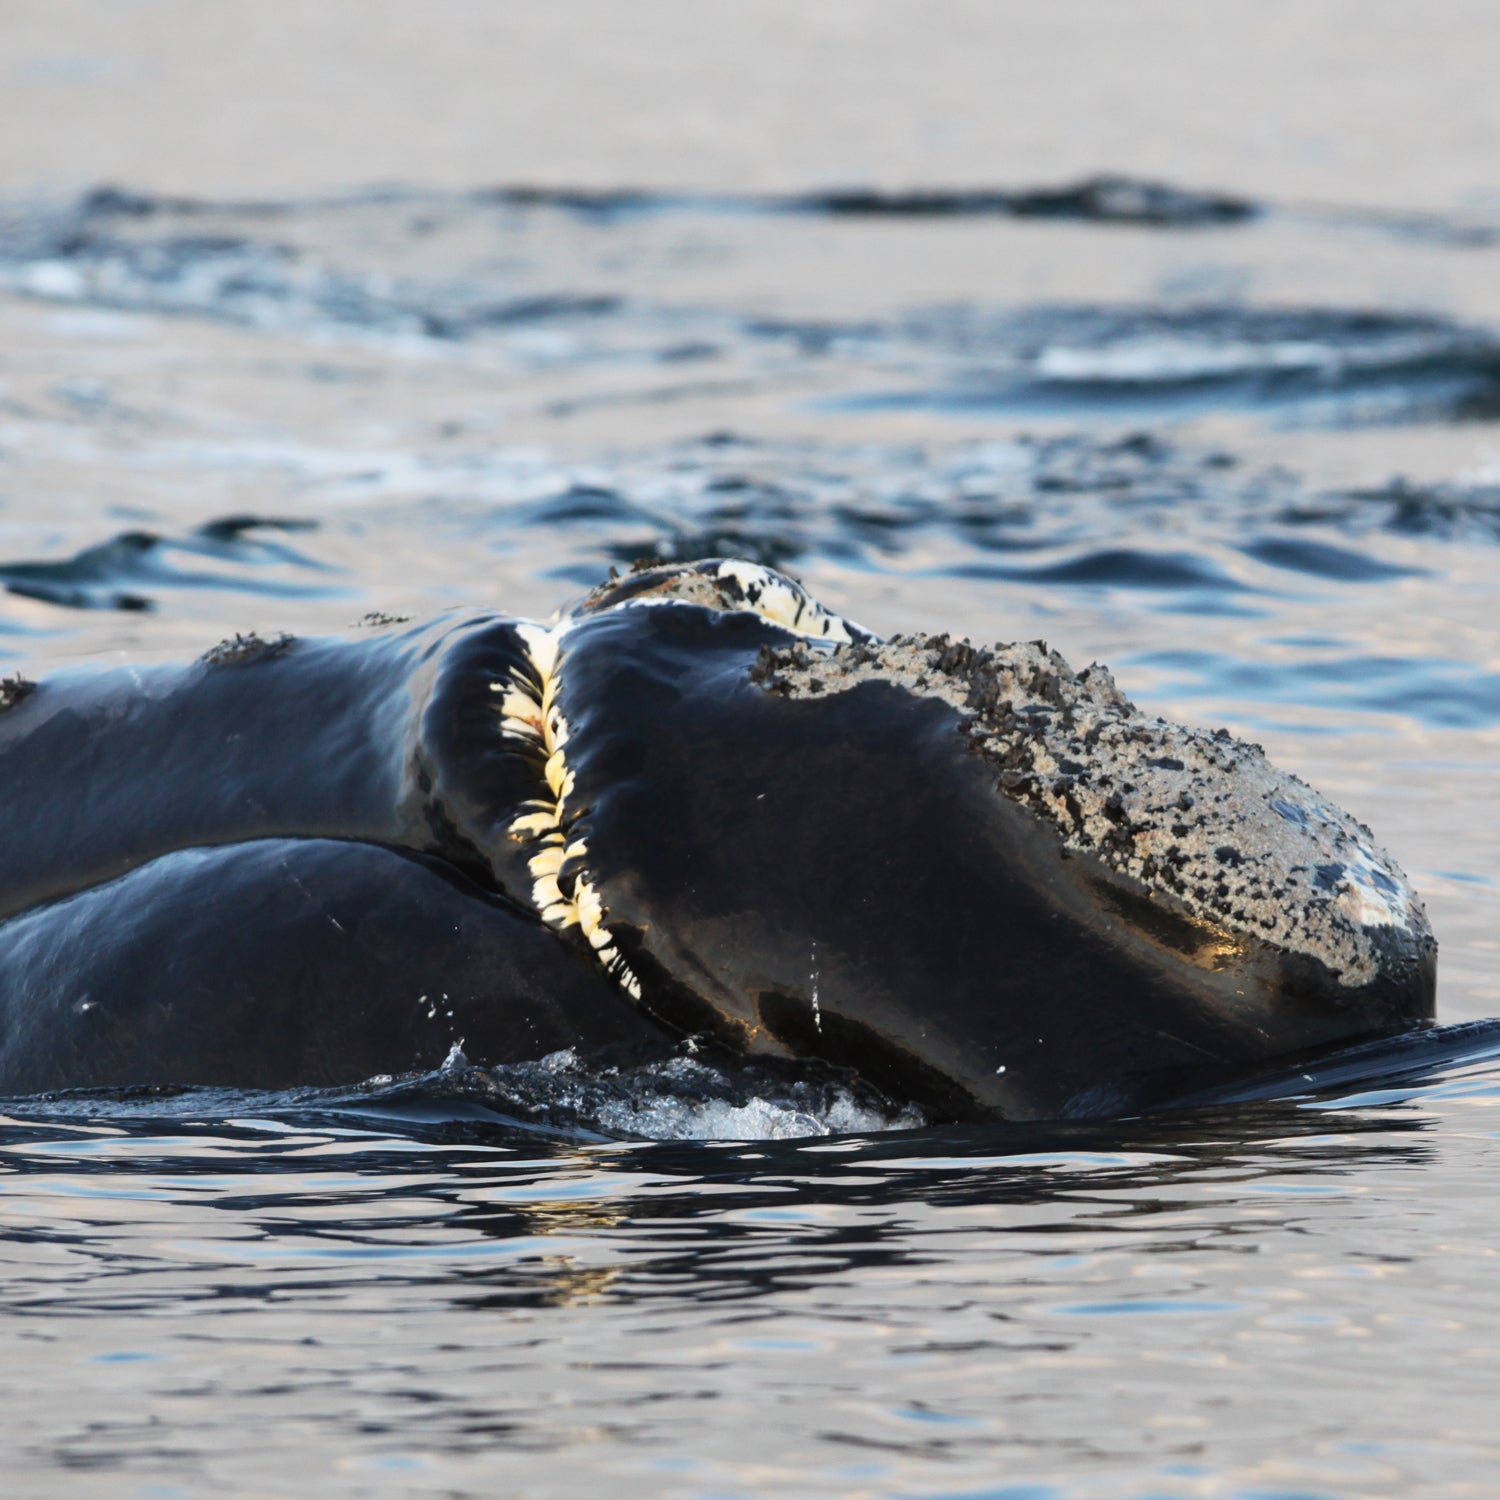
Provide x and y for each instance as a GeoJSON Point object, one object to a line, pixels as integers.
{"type": "Point", "coordinates": [696, 809]}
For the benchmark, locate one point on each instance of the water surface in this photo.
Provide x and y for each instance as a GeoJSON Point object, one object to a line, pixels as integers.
{"type": "Point", "coordinates": [1245, 453]}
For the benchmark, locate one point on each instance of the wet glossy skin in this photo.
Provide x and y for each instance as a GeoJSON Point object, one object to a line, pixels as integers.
{"type": "Point", "coordinates": [261, 872]}
{"type": "Point", "coordinates": [268, 873]}
{"type": "Point", "coordinates": [838, 877]}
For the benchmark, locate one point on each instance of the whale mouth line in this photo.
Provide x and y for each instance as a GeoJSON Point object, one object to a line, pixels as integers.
{"type": "Point", "coordinates": [562, 890]}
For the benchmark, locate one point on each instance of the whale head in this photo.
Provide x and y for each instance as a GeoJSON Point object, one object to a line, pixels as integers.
{"type": "Point", "coordinates": [986, 882]}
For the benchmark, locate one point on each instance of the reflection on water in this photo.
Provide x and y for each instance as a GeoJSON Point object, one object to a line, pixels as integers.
{"type": "Point", "coordinates": [454, 1306]}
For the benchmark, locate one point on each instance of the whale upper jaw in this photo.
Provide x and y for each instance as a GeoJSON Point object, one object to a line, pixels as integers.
{"type": "Point", "coordinates": [1196, 817]}
{"type": "Point", "coordinates": [1235, 914]}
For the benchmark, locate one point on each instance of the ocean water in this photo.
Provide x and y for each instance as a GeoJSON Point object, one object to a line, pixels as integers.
{"type": "Point", "coordinates": [1246, 453]}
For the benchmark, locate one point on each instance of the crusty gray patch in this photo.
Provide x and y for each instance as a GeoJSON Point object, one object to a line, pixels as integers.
{"type": "Point", "coordinates": [1198, 814]}
{"type": "Point", "coordinates": [240, 649]}
{"type": "Point", "coordinates": [724, 583]}
{"type": "Point", "coordinates": [13, 689]}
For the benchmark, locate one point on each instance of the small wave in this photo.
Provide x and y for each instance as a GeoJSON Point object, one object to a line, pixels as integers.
{"type": "Point", "coordinates": [1441, 693]}
{"type": "Point", "coordinates": [1118, 567]}
{"type": "Point", "coordinates": [116, 574]}
{"type": "Point", "coordinates": [1386, 1070]}
{"type": "Point", "coordinates": [1103, 199]}
{"type": "Point", "coordinates": [1452, 511]}
{"type": "Point", "coordinates": [1324, 560]}
{"type": "Point", "coordinates": [1332, 365]}
{"type": "Point", "coordinates": [274, 286]}
{"type": "Point", "coordinates": [1094, 200]}
{"type": "Point", "coordinates": [372, 266]}
{"type": "Point", "coordinates": [564, 1100]}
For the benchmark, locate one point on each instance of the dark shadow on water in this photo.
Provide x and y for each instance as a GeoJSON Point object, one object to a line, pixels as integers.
{"type": "Point", "coordinates": [1118, 567]}
{"type": "Point", "coordinates": [1323, 560]}
{"type": "Point", "coordinates": [126, 572]}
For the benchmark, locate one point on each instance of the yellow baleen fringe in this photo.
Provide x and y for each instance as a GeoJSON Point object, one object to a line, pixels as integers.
{"type": "Point", "coordinates": [529, 711]}
{"type": "Point", "coordinates": [560, 889]}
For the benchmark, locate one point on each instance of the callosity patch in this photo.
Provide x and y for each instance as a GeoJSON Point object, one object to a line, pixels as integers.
{"type": "Point", "coordinates": [1195, 815]}
{"type": "Point", "coordinates": [727, 584]}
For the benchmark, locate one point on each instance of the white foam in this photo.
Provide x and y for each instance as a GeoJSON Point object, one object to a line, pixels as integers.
{"type": "Point", "coordinates": [687, 1100]}
{"type": "Point", "coordinates": [670, 1119]}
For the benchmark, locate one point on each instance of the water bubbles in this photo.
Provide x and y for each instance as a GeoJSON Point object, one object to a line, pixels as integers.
{"type": "Point", "coordinates": [685, 1099]}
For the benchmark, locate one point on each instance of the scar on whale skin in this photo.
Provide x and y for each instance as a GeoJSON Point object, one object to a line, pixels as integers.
{"type": "Point", "coordinates": [696, 808]}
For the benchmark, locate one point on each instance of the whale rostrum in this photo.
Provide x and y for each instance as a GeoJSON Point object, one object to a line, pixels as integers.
{"type": "Point", "coordinates": [1197, 816]}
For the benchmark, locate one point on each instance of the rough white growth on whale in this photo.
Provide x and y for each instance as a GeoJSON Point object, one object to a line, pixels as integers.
{"type": "Point", "coordinates": [1195, 816]}
{"type": "Point", "coordinates": [730, 584]}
